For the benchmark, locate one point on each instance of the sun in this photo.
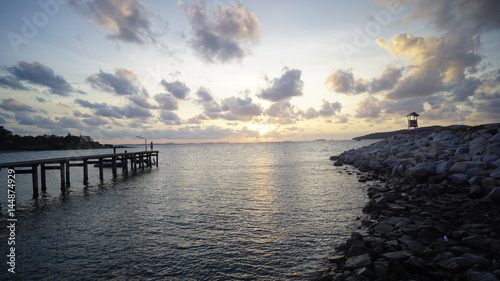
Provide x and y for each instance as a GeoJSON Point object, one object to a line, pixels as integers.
{"type": "Point", "coordinates": [261, 128]}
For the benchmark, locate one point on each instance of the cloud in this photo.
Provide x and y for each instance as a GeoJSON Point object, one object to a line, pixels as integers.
{"type": "Point", "coordinates": [170, 118]}
{"type": "Point", "coordinates": [211, 107]}
{"type": "Point", "coordinates": [10, 82]}
{"type": "Point", "coordinates": [282, 112]}
{"type": "Point", "coordinates": [284, 88]}
{"type": "Point", "coordinates": [105, 110]}
{"type": "Point", "coordinates": [438, 63]}
{"type": "Point", "coordinates": [38, 74]}
{"type": "Point", "coordinates": [177, 88]}
{"type": "Point", "coordinates": [387, 80]}
{"type": "Point", "coordinates": [69, 122]}
{"type": "Point", "coordinates": [241, 109]}
{"type": "Point", "coordinates": [124, 20]}
{"type": "Point", "coordinates": [167, 101]}
{"type": "Point", "coordinates": [369, 107]}
{"type": "Point", "coordinates": [330, 108]}
{"type": "Point", "coordinates": [342, 81]}
{"type": "Point", "coordinates": [123, 82]}
{"type": "Point", "coordinates": [95, 121]}
{"type": "Point", "coordinates": [223, 35]}
{"type": "Point", "coordinates": [11, 104]}
{"type": "Point", "coordinates": [142, 101]}
{"type": "Point", "coordinates": [450, 15]}
{"type": "Point", "coordinates": [24, 118]}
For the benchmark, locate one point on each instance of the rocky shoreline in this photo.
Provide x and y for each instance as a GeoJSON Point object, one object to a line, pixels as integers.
{"type": "Point", "coordinates": [434, 208]}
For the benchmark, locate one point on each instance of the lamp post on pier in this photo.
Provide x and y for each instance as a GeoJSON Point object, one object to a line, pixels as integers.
{"type": "Point", "coordinates": [145, 145]}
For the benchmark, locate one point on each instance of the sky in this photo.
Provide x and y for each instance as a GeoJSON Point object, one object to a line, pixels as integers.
{"type": "Point", "coordinates": [245, 71]}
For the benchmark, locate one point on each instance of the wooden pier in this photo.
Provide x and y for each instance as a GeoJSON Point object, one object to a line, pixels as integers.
{"type": "Point", "coordinates": [140, 159]}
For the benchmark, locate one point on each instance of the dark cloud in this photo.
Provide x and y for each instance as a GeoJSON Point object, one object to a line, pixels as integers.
{"type": "Point", "coordinates": [105, 110]}
{"type": "Point", "coordinates": [124, 20]}
{"type": "Point", "coordinates": [95, 121]}
{"type": "Point", "coordinates": [284, 88]}
{"type": "Point", "coordinates": [69, 122]}
{"type": "Point", "coordinates": [342, 81]}
{"type": "Point", "coordinates": [167, 101]}
{"type": "Point", "coordinates": [176, 88]}
{"type": "Point", "coordinates": [439, 63]}
{"type": "Point", "coordinates": [170, 118]}
{"type": "Point", "coordinates": [241, 109]}
{"type": "Point", "coordinates": [24, 118]}
{"type": "Point", "coordinates": [11, 104]}
{"type": "Point", "coordinates": [39, 74]}
{"type": "Point", "coordinates": [330, 108]}
{"type": "Point", "coordinates": [387, 80]}
{"type": "Point", "coordinates": [465, 89]}
{"type": "Point", "coordinates": [370, 107]}
{"type": "Point", "coordinates": [450, 15]}
{"type": "Point", "coordinates": [232, 108]}
{"type": "Point", "coordinates": [223, 35]}
{"type": "Point", "coordinates": [142, 101]}
{"type": "Point", "coordinates": [211, 108]}
{"type": "Point", "coordinates": [11, 82]}
{"type": "Point", "coordinates": [123, 82]}
{"type": "Point", "coordinates": [282, 112]}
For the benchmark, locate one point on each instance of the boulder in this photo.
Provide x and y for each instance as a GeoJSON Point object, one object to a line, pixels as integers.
{"type": "Point", "coordinates": [442, 167]}
{"type": "Point", "coordinates": [358, 261]}
{"type": "Point", "coordinates": [495, 173]}
{"type": "Point", "coordinates": [472, 275]}
{"type": "Point", "coordinates": [494, 195]}
{"type": "Point", "coordinates": [422, 171]}
{"type": "Point", "coordinates": [459, 178]}
{"type": "Point", "coordinates": [458, 168]}
{"type": "Point", "coordinates": [478, 146]}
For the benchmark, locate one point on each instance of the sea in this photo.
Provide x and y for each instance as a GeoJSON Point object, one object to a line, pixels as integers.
{"type": "Point", "coordinates": [215, 211]}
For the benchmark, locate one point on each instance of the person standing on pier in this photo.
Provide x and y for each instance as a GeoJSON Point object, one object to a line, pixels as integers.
{"type": "Point", "coordinates": [151, 146]}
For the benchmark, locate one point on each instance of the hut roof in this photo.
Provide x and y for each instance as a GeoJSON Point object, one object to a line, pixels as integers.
{"type": "Point", "coordinates": [412, 114]}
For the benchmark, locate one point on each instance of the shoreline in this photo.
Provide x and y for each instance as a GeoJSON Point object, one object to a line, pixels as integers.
{"type": "Point", "coordinates": [433, 211]}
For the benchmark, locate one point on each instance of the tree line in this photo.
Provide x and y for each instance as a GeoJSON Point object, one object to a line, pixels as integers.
{"type": "Point", "coordinates": [10, 141]}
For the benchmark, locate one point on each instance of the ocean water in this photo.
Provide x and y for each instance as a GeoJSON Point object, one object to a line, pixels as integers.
{"type": "Point", "coordinates": [258, 211]}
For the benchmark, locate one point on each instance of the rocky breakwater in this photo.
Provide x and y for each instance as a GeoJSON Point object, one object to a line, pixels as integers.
{"type": "Point", "coordinates": [434, 208]}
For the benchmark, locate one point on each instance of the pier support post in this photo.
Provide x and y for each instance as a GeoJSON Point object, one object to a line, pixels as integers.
{"type": "Point", "coordinates": [101, 172]}
{"type": "Point", "coordinates": [43, 177]}
{"type": "Point", "coordinates": [68, 183]}
{"type": "Point", "coordinates": [113, 165]}
{"type": "Point", "coordinates": [62, 173]}
{"type": "Point", "coordinates": [156, 159]}
{"type": "Point", "coordinates": [34, 178]}
{"type": "Point", "coordinates": [85, 172]}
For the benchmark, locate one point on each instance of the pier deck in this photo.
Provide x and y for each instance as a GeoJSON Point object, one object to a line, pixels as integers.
{"type": "Point", "coordinates": [139, 159]}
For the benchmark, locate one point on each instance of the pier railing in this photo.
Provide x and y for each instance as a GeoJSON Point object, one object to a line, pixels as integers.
{"type": "Point", "coordinates": [135, 160]}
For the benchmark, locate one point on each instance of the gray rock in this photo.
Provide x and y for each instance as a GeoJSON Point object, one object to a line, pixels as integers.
{"type": "Point", "coordinates": [494, 195]}
{"type": "Point", "coordinates": [475, 192]}
{"type": "Point", "coordinates": [493, 149]}
{"type": "Point", "coordinates": [397, 255]}
{"type": "Point", "coordinates": [435, 189]}
{"type": "Point", "coordinates": [442, 167]}
{"type": "Point", "coordinates": [422, 170]}
{"type": "Point", "coordinates": [495, 138]}
{"type": "Point", "coordinates": [495, 173]}
{"type": "Point", "coordinates": [459, 178]}
{"type": "Point", "coordinates": [478, 146]}
{"type": "Point", "coordinates": [338, 163]}
{"type": "Point", "coordinates": [458, 168]}
{"type": "Point", "coordinates": [472, 275]}
{"type": "Point", "coordinates": [383, 228]}
{"type": "Point", "coordinates": [358, 261]}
